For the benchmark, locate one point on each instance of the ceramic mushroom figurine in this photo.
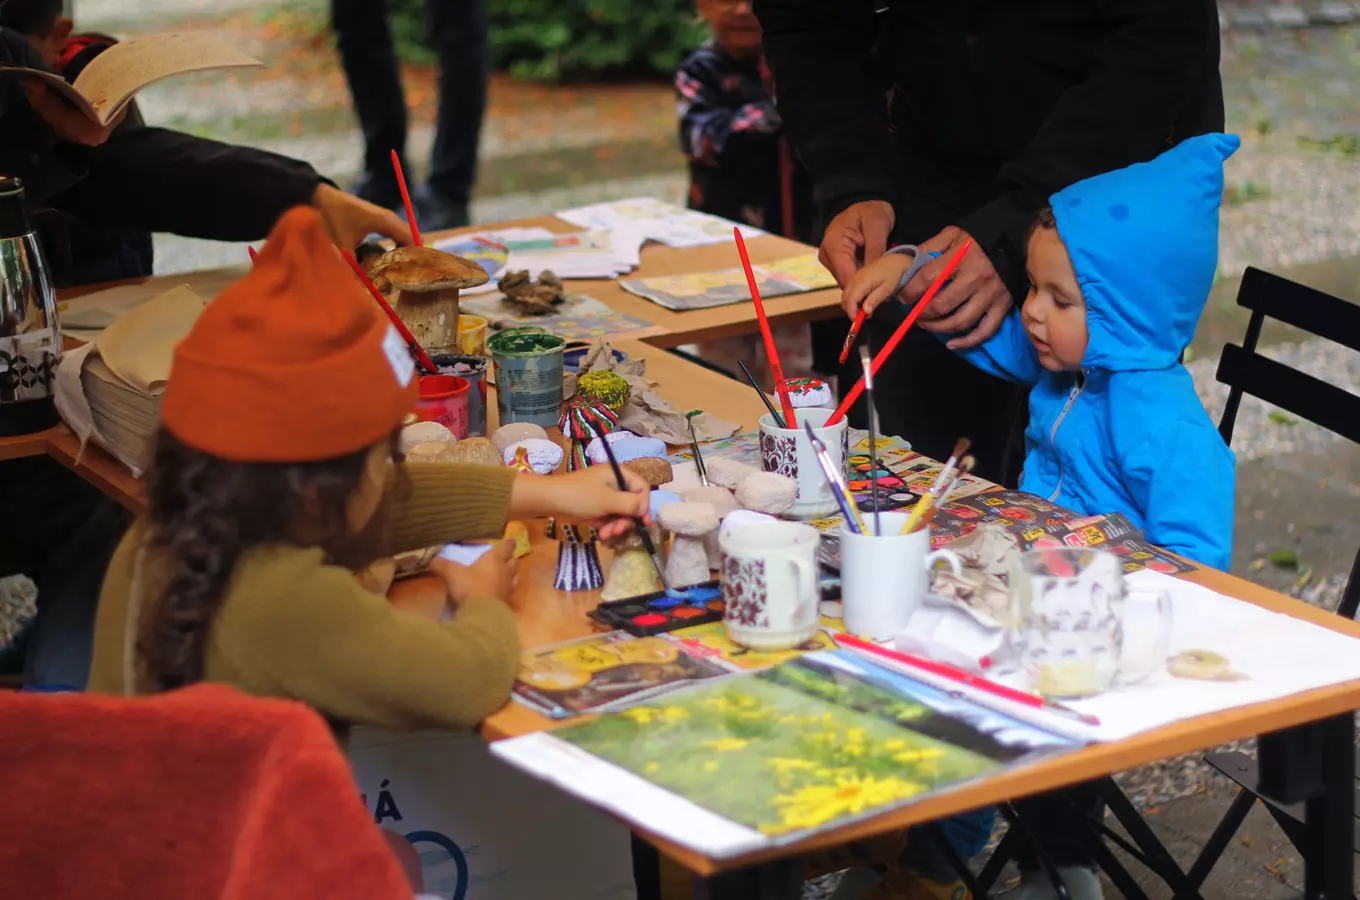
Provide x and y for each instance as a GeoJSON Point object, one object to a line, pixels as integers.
{"type": "Point", "coordinates": [728, 473]}
{"type": "Point", "coordinates": [631, 573]}
{"type": "Point", "coordinates": [543, 455]}
{"type": "Point", "coordinates": [581, 421]}
{"type": "Point", "coordinates": [578, 561]}
{"type": "Point", "coordinates": [422, 284]}
{"type": "Point", "coordinates": [690, 523]}
{"type": "Point", "coordinates": [515, 432]}
{"type": "Point", "coordinates": [723, 504]}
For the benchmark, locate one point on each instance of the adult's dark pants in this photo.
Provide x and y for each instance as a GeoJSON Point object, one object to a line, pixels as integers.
{"type": "Point", "coordinates": [458, 32]}
{"type": "Point", "coordinates": [60, 531]}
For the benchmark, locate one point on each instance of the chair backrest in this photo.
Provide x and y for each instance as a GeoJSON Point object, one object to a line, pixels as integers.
{"type": "Point", "coordinates": [1246, 371]}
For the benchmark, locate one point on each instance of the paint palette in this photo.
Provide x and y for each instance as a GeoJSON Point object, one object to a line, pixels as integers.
{"type": "Point", "coordinates": [656, 613]}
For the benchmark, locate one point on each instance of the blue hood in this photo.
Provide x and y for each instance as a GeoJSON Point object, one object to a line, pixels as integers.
{"type": "Point", "coordinates": [1144, 245]}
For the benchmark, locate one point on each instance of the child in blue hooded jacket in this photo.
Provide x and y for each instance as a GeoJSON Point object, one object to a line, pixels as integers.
{"type": "Point", "coordinates": [1120, 267]}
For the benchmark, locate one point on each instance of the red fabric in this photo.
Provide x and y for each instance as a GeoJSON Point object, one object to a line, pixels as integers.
{"type": "Point", "coordinates": [288, 364]}
{"type": "Point", "coordinates": [203, 793]}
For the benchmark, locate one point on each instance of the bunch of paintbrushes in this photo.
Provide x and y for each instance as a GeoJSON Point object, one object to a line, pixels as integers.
{"type": "Point", "coordinates": [781, 386]}
{"type": "Point", "coordinates": [956, 468]}
{"type": "Point", "coordinates": [839, 489]}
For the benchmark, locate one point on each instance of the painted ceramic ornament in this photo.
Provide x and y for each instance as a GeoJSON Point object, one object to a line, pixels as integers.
{"type": "Point", "coordinates": [543, 455]}
{"type": "Point", "coordinates": [520, 461]}
{"type": "Point", "coordinates": [608, 388]}
{"type": "Point", "coordinates": [578, 559]}
{"type": "Point", "coordinates": [581, 421]}
{"type": "Point", "coordinates": [809, 393]}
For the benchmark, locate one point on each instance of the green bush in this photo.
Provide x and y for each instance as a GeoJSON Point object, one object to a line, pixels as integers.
{"type": "Point", "coordinates": [564, 40]}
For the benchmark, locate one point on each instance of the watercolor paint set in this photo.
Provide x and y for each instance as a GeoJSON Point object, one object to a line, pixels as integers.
{"type": "Point", "coordinates": [658, 613]}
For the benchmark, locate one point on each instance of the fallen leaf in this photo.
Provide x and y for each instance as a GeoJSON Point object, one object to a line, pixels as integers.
{"type": "Point", "coordinates": [1284, 559]}
{"type": "Point", "coordinates": [1280, 418]}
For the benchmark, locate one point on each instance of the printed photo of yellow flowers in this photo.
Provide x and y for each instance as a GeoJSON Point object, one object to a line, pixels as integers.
{"type": "Point", "coordinates": [809, 744]}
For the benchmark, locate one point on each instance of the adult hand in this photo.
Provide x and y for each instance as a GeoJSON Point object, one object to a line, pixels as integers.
{"type": "Point", "coordinates": [856, 237]}
{"type": "Point", "coordinates": [973, 303]}
{"type": "Point", "coordinates": [494, 575]}
{"type": "Point", "coordinates": [69, 123]}
{"type": "Point", "coordinates": [349, 219]}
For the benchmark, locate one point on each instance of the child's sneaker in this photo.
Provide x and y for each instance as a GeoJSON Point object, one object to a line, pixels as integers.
{"type": "Point", "coordinates": [1082, 883]}
{"type": "Point", "coordinates": [897, 884]}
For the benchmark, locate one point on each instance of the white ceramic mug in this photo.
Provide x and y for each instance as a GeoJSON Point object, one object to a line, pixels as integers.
{"type": "Point", "coordinates": [787, 451]}
{"type": "Point", "coordinates": [884, 578]}
{"type": "Point", "coordinates": [769, 584]}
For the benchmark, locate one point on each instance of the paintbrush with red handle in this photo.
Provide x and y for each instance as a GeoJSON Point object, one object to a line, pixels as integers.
{"type": "Point", "coordinates": [416, 350]}
{"type": "Point", "coordinates": [901, 331]}
{"type": "Point", "coordinates": [776, 369]}
{"type": "Point", "coordinates": [406, 200]}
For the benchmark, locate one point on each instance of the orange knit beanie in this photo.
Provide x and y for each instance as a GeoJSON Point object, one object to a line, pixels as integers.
{"type": "Point", "coordinates": [293, 363]}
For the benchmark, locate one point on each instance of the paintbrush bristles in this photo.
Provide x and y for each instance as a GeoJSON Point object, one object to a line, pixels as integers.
{"type": "Point", "coordinates": [867, 363]}
{"type": "Point", "coordinates": [961, 447]}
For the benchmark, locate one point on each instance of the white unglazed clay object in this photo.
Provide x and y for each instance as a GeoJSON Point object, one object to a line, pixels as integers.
{"type": "Point", "coordinates": [544, 455]}
{"type": "Point", "coordinates": [515, 432]}
{"type": "Point", "coordinates": [425, 433]}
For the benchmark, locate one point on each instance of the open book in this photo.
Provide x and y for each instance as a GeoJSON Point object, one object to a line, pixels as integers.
{"type": "Point", "coordinates": [114, 77]}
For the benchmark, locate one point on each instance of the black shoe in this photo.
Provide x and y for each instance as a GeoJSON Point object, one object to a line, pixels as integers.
{"type": "Point", "coordinates": [436, 213]}
{"type": "Point", "coordinates": [379, 188]}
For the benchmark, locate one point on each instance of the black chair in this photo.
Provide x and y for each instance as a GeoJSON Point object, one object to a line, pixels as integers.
{"type": "Point", "coordinates": [1244, 371]}
{"type": "Point", "coordinates": [1337, 410]}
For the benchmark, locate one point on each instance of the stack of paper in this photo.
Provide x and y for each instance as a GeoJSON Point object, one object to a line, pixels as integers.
{"type": "Point", "coordinates": [657, 221]}
{"type": "Point", "coordinates": [590, 254]}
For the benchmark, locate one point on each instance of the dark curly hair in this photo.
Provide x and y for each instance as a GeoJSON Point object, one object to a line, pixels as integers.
{"type": "Point", "coordinates": [205, 513]}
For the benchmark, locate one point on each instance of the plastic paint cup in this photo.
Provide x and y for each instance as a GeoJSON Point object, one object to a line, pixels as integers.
{"type": "Point", "coordinates": [444, 399]}
{"type": "Point", "coordinates": [473, 368]}
{"type": "Point", "coordinates": [472, 335]}
{"type": "Point", "coordinates": [528, 364]}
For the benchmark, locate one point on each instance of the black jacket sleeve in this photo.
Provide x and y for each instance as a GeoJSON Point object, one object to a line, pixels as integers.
{"type": "Point", "coordinates": [28, 149]}
{"type": "Point", "coordinates": [1153, 56]}
{"type": "Point", "coordinates": [833, 104]}
{"type": "Point", "coordinates": [155, 179]}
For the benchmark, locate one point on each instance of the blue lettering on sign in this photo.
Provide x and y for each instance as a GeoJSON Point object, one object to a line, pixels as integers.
{"type": "Point", "coordinates": [448, 846]}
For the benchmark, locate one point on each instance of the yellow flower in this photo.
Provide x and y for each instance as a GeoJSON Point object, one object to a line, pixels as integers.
{"type": "Point", "coordinates": [673, 714]}
{"type": "Point", "coordinates": [721, 704]}
{"type": "Point", "coordinates": [784, 765]}
{"type": "Point", "coordinates": [652, 768]}
{"type": "Point", "coordinates": [818, 804]}
{"type": "Point", "coordinates": [710, 766]}
{"type": "Point", "coordinates": [855, 735]}
{"type": "Point", "coordinates": [923, 755]}
{"type": "Point", "coordinates": [723, 745]}
{"type": "Point", "coordinates": [643, 715]}
{"type": "Point", "coordinates": [895, 744]}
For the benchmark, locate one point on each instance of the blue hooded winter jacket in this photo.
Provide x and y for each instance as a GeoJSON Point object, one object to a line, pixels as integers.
{"type": "Point", "coordinates": [1127, 433]}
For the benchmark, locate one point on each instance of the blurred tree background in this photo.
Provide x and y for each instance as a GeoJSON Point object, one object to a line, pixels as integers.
{"type": "Point", "coordinates": [572, 40]}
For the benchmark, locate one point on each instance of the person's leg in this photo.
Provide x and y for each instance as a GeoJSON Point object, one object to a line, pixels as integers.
{"type": "Point", "coordinates": [369, 60]}
{"type": "Point", "coordinates": [458, 31]}
{"type": "Point", "coordinates": [1059, 822]}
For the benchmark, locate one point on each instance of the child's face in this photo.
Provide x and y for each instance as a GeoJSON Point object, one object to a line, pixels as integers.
{"type": "Point", "coordinates": [51, 46]}
{"type": "Point", "coordinates": [1054, 313]}
{"type": "Point", "coordinates": [366, 497]}
{"type": "Point", "coordinates": [734, 25]}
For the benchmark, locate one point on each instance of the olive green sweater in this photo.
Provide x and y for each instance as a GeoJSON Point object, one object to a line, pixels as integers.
{"type": "Point", "coordinates": [294, 626]}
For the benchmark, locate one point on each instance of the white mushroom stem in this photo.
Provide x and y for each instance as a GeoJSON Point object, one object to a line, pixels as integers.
{"type": "Point", "coordinates": [688, 563]}
{"type": "Point", "coordinates": [631, 574]}
{"type": "Point", "coordinates": [431, 316]}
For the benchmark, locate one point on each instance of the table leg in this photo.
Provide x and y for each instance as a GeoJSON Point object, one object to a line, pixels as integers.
{"type": "Point", "coordinates": [1329, 825]}
{"type": "Point", "coordinates": [778, 880]}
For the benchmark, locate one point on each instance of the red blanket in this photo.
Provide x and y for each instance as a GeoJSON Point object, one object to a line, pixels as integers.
{"type": "Point", "coordinates": [201, 794]}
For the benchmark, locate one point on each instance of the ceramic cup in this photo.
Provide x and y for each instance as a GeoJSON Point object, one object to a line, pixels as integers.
{"type": "Point", "coordinates": [472, 335]}
{"type": "Point", "coordinates": [528, 363]}
{"type": "Point", "coordinates": [769, 584]}
{"type": "Point", "coordinates": [787, 451]}
{"type": "Point", "coordinates": [884, 578]}
{"type": "Point", "coordinates": [444, 399]}
{"type": "Point", "coordinates": [473, 368]}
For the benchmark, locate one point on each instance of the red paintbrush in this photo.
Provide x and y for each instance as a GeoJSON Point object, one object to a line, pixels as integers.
{"type": "Point", "coordinates": [776, 369]}
{"type": "Point", "coordinates": [902, 330]}
{"type": "Point", "coordinates": [406, 199]}
{"type": "Point", "coordinates": [421, 356]}
{"type": "Point", "coordinates": [254, 257]}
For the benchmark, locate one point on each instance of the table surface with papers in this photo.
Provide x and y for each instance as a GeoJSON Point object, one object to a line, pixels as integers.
{"type": "Point", "coordinates": [549, 616]}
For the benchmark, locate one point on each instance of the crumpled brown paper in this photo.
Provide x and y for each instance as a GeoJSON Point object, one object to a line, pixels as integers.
{"type": "Point", "coordinates": [647, 413]}
{"type": "Point", "coordinates": [987, 554]}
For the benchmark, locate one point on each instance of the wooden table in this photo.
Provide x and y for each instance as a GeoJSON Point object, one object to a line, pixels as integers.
{"type": "Point", "coordinates": [546, 615]}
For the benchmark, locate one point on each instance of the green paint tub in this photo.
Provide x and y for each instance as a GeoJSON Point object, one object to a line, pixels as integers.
{"type": "Point", "coordinates": [528, 365]}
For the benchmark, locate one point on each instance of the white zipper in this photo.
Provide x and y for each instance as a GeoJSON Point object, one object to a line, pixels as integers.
{"type": "Point", "coordinates": [1053, 432]}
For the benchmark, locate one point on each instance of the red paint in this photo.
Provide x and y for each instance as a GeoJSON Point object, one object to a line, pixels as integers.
{"type": "Point", "coordinates": [716, 605]}
{"type": "Point", "coordinates": [686, 612]}
{"type": "Point", "coordinates": [646, 620]}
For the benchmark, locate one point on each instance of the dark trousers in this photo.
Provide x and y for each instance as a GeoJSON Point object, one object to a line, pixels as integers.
{"type": "Point", "coordinates": [1059, 821]}
{"type": "Point", "coordinates": [458, 32]}
{"type": "Point", "coordinates": [60, 531]}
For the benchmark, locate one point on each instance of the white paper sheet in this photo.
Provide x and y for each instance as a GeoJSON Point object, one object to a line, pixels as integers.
{"type": "Point", "coordinates": [662, 222]}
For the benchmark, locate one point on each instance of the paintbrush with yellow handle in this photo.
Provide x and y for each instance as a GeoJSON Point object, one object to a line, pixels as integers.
{"type": "Point", "coordinates": [924, 510]}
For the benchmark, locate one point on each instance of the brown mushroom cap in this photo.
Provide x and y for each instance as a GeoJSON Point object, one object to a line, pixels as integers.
{"type": "Point", "coordinates": [420, 269]}
{"type": "Point", "coordinates": [653, 470]}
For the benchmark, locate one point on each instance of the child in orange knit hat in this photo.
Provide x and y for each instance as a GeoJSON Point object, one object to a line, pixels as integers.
{"type": "Point", "coordinates": [273, 480]}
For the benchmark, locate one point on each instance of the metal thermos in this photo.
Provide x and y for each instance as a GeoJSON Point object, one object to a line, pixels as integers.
{"type": "Point", "coordinates": [30, 338]}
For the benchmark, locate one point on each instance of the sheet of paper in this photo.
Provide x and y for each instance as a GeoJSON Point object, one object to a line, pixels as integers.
{"type": "Point", "coordinates": [658, 221]}
{"type": "Point", "coordinates": [722, 287]}
{"type": "Point", "coordinates": [578, 318]}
